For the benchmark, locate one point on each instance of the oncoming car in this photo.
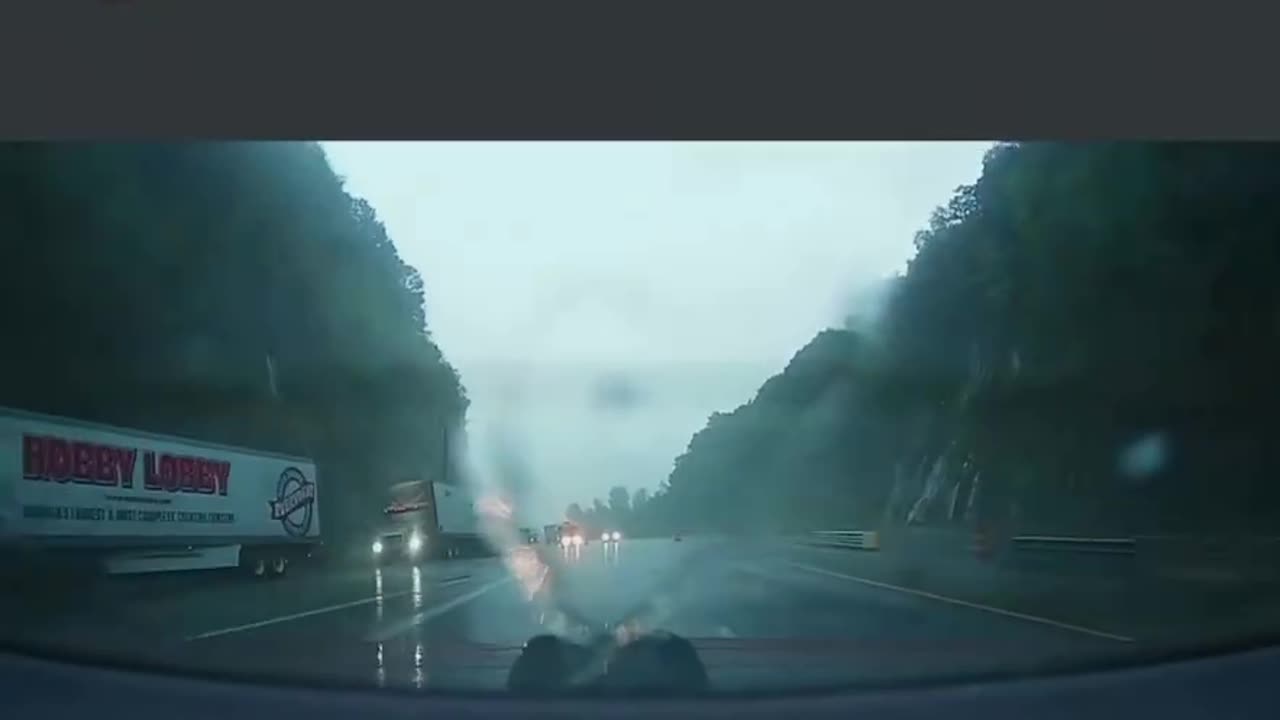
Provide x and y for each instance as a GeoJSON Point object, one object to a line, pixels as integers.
{"type": "Point", "coordinates": [610, 536]}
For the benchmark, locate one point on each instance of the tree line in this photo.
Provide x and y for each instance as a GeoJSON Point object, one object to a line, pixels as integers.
{"type": "Point", "coordinates": [1086, 339]}
{"type": "Point", "coordinates": [232, 292]}
{"type": "Point", "coordinates": [623, 512]}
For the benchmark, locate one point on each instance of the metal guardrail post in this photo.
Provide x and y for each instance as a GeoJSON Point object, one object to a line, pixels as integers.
{"type": "Point", "coordinates": [1044, 543]}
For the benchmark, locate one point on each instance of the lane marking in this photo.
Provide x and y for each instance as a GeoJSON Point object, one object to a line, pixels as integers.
{"type": "Point", "coordinates": [431, 613]}
{"type": "Point", "coordinates": [965, 603]}
{"type": "Point", "coordinates": [317, 611]}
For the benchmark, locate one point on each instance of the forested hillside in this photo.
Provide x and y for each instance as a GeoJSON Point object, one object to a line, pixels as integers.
{"type": "Point", "coordinates": [233, 292]}
{"type": "Point", "coordinates": [1090, 334]}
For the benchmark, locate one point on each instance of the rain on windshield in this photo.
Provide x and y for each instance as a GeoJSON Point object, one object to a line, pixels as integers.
{"type": "Point", "coordinates": [833, 413]}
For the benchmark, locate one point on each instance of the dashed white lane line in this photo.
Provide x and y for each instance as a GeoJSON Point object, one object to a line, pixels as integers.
{"type": "Point", "coordinates": [317, 611]}
{"type": "Point", "coordinates": [964, 603]}
{"type": "Point", "coordinates": [386, 633]}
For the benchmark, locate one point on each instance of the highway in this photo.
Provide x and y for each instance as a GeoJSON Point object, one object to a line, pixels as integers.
{"type": "Point", "coordinates": [763, 614]}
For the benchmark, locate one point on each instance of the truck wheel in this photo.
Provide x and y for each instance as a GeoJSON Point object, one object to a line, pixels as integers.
{"type": "Point", "coordinates": [279, 566]}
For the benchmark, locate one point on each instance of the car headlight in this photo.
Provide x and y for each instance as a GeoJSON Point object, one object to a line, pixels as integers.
{"type": "Point", "coordinates": [565, 540]}
{"type": "Point", "coordinates": [604, 537]}
{"type": "Point", "coordinates": [617, 535]}
{"type": "Point", "coordinates": [415, 543]}
{"type": "Point", "coordinates": [577, 539]}
{"type": "Point", "coordinates": [377, 547]}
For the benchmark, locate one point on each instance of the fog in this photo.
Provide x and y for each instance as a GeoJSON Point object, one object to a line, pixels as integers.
{"type": "Point", "coordinates": [600, 300]}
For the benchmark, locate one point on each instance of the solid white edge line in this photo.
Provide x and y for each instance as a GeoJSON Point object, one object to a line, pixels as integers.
{"type": "Point", "coordinates": [430, 613]}
{"type": "Point", "coordinates": [965, 603]}
{"type": "Point", "coordinates": [317, 611]}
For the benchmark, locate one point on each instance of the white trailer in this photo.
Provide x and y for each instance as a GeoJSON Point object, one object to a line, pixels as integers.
{"type": "Point", "coordinates": [456, 511]}
{"type": "Point", "coordinates": [130, 501]}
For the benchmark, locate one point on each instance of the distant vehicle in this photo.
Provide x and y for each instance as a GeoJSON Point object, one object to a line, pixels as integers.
{"type": "Point", "coordinates": [528, 536]}
{"type": "Point", "coordinates": [677, 537]}
{"type": "Point", "coordinates": [429, 520]}
{"type": "Point", "coordinates": [551, 534]}
{"type": "Point", "coordinates": [571, 535]}
{"type": "Point", "coordinates": [610, 536]}
{"type": "Point", "coordinates": [123, 501]}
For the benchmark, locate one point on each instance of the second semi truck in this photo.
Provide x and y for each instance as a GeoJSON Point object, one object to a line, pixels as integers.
{"type": "Point", "coordinates": [429, 520]}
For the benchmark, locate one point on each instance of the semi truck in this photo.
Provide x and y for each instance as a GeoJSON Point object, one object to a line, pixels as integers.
{"type": "Point", "coordinates": [429, 520]}
{"type": "Point", "coordinates": [127, 501]}
{"type": "Point", "coordinates": [565, 534]}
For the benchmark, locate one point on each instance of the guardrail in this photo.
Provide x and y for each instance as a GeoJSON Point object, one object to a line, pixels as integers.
{"type": "Point", "coordinates": [1046, 543]}
{"type": "Point", "coordinates": [1021, 544]}
{"type": "Point", "coordinates": [852, 539]}
{"type": "Point", "coordinates": [962, 554]}
{"type": "Point", "coordinates": [1088, 558]}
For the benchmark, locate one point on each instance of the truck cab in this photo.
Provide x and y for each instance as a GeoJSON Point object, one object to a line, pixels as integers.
{"type": "Point", "coordinates": [408, 520]}
{"type": "Point", "coordinates": [401, 543]}
{"type": "Point", "coordinates": [428, 520]}
{"type": "Point", "coordinates": [572, 535]}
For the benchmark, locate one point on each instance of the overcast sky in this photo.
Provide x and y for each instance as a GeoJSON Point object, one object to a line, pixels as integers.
{"type": "Point", "coordinates": [600, 300]}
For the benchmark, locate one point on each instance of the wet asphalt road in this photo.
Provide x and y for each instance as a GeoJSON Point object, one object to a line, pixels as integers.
{"type": "Point", "coordinates": [762, 614]}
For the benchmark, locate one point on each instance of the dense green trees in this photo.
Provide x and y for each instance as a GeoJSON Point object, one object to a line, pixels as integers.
{"type": "Point", "coordinates": [229, 291]}
{"type": "Point", "coordinates": [1079, 303]}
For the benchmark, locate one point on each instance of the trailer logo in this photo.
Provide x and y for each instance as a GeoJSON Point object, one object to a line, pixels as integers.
{"type": "Point", "coordinates": [295, 502]}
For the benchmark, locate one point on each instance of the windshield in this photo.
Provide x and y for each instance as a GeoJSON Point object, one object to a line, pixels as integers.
{"type": "Point", "coordinates": [837, 414]}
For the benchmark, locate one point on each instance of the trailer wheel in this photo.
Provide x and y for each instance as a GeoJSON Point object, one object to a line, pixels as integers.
{"type": "Point", "coordinates": [257, 566]}
{"type": "Point", "coordinates": [279, 566]}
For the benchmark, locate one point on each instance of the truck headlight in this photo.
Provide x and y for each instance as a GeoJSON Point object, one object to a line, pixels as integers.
{"type": "Point", "coordinates": [577, 539]}
{"type": "Point", "coordinates": [617, 536]}
{"type": "Point", "coordinates": [377, 547]}
{"type": "Point", "coordinates": [565, 540]}
{"type": "Point", "coordinates": [415, 543]}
